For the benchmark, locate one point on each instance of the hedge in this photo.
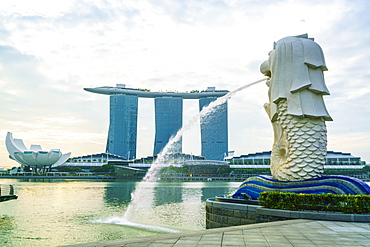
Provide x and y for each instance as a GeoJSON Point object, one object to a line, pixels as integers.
{"type": "Point", "coordinates": [348, 204]}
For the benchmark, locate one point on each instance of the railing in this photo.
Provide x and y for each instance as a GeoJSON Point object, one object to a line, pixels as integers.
{"type": "Point", "coordinates": [7, 192]}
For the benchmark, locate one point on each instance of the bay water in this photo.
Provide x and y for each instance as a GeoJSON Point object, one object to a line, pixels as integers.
{"type": "Point", "coordinates": [63, 212]}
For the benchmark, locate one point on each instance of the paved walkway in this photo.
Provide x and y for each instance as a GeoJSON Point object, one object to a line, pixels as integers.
{"type": "Point", "coordinates": [297, 233]}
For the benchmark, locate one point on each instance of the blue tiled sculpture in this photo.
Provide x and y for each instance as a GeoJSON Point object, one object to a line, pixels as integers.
{"type": "Point", "coordinates": [341, 185]}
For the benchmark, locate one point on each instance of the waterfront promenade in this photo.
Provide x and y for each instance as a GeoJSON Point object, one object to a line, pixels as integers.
{"type": "Point", "coordinates": [298, 233]}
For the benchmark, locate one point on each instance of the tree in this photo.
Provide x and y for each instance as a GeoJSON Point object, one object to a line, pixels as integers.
{"type": "Point", "coordinates": [366, 169]}
{"type": "Point", "coordinates": [226, 170]}
{"type": "Point", "coordinates": [104, 168]}
{"type": "Point", "coordinates": [68, 169]}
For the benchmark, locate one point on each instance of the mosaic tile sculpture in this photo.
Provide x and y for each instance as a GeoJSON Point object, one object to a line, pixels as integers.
{"type": "Point", "coordinates": [341, 185]}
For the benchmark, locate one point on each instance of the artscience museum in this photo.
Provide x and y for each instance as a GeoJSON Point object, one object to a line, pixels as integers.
{"type": "Point", "coordinates": [34, 157]}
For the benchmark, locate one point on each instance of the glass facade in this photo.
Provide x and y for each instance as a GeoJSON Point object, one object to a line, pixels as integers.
{"type": "Point", "coordinates": [214, 130]}
{"type": "Point", "coordinates": [334, 160]}
{"type": "Point", "coordinates": [168, 120]}
{"type": "Point", "coordinates": [122, 134]}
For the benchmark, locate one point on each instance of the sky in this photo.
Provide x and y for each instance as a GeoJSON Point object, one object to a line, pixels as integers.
{"type": "Point", "coordinates": [51, 50]}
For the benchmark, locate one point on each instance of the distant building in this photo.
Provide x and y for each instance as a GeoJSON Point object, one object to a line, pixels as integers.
{"type": "Point", "coordinates": [204, 167]}
{"type": "Point", "coordinates": [214, 130]}
{"type": "Point", "coordinates": [128, 172]}
{"type": "Point", "coordinates": [172, 159]}
{"type": "Point", "coordinates": [334, 160]}
{"type": "Point", "coordinates": [195, 165]}
{"type": "Point", "coordinates": [89, 162]}
{"type": "Point", "coordinates": [168, 120]}
{"type": "Point", "coordinates": [122, 134]}
{"type": "Point", "coordinates": [34, 159]}
{"type": "Point", "coordinates": [339, 160]}
{"type": "Point", "coordinates": [95, 160]}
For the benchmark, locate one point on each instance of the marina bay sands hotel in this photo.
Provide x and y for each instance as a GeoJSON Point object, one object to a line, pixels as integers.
{"type": "Point", "coordinates": [122, 134]}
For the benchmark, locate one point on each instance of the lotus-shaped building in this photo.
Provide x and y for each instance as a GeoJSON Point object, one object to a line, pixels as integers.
{"type": "Point", "coordinates": [34, 157]}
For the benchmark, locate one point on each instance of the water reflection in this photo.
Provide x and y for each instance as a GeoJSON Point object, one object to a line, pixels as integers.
{"type": "Point", "coordinates": [167, 193]}
{"type": "Point", "coordinates": [208, 192]}
{"type": "Point", "coordinates": [70, 212]}
{"type": "Point", "coordinates": [116, 194]}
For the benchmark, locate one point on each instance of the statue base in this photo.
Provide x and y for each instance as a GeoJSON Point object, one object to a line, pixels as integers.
{"type": "Point", "coordinates": [342, 185]}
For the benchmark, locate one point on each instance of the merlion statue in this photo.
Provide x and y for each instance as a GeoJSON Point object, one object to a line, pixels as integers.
{"type": "Point", "coordinates": [296, 108]}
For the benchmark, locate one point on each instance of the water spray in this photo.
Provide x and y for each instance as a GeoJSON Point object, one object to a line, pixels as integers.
{"type": "Point", "coordinates": [151, 174]}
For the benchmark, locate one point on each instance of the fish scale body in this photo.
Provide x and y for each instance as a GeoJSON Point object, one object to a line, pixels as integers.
{"type": "Point", "coordinates": [300, 151]}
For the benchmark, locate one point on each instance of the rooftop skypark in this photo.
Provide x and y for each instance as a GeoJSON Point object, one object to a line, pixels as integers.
{"type": "Point", "coordinates": [146, 93]}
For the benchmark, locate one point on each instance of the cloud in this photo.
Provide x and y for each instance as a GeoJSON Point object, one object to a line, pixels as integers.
{"type": "Point", "coordinates": [44, 111]}
{"type": "Point", "coordinates": [50, 50]}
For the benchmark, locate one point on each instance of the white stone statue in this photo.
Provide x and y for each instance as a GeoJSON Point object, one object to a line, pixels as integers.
{"type": "Point", "coordinates": [296, 108]}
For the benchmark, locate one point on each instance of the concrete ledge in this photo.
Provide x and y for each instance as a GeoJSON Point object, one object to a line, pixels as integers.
{"type": "Point", "coordinates": [364, 218]}
{"type": "Point", "coordinates": [233, 206]}
{"type": "Point", "coordinates": [223, 214]}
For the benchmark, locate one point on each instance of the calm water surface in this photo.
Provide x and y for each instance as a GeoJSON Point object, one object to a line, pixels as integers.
{"type": "Point", "coordinates": [62, 212]}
